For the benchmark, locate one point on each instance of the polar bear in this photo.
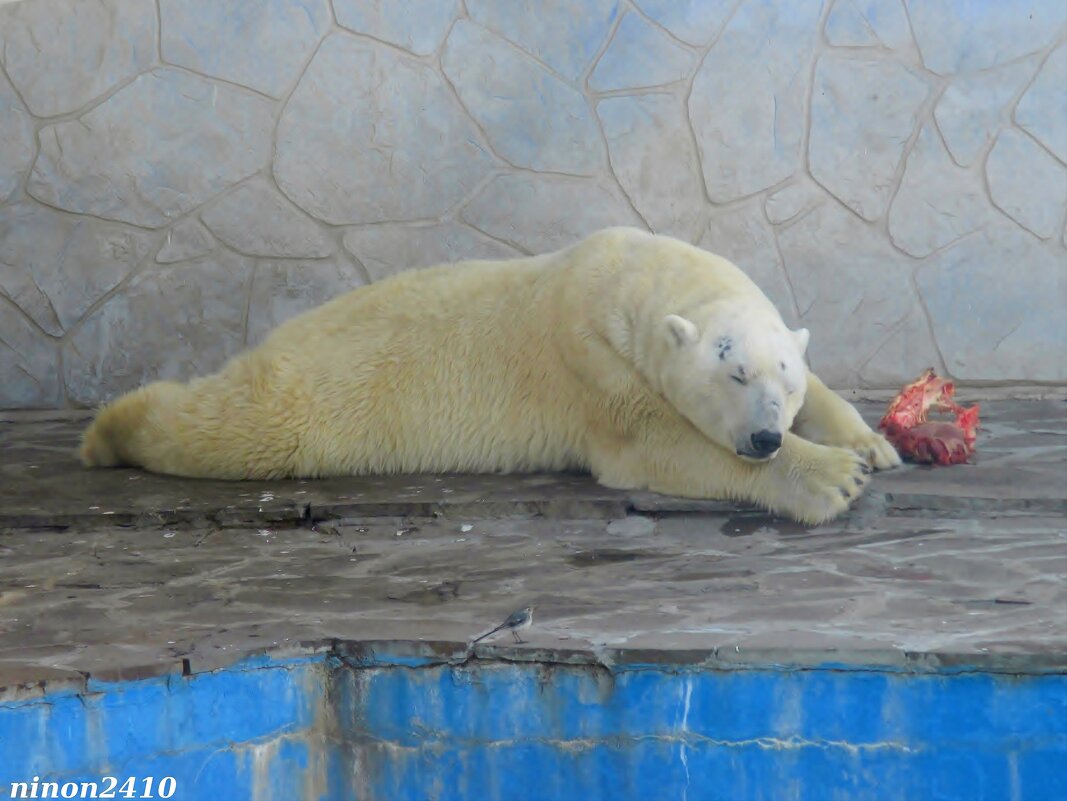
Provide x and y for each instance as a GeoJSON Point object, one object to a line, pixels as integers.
{"type": "Point", "coordinates": [647, 361]}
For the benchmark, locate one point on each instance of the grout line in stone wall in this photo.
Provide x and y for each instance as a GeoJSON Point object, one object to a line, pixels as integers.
{"type": "Point", "coordinates": [969, 168]}
{"type": "Point", "coordinates": [832, 198]}
{"type": "Point", "coordinates": [224, 81]}
{"type": "Point", "coordinates": [337, 236]}
{"type": "Point", "coordinates": [82, 215]}
{"type": "Point", "coordinates": [914, 283]}
{"type": "Point", "coordinates": [590, 176]}
{"type": "Point", "coordinates": [636, 9]}
{"type": "Point", "coordinates": [34, 379]}
{"type": "Point", "coordinates": [422, 58]}
{"type": "Point", "coordinates": [590, 68]}
{"type": "Point", "coordinates": [265, 175]}
{"type": "Point", "coordinates": [671, 87]}
{"type": "Point", "coordinates": [785, 225]}
{"type": "Point", "coordinates": [1013, 104]}
{"type": "Point", "coordinates": [29, 319]}
{"type": "Point", "coordinates": [932, 82]}
{"type": "Point", "coordinates": [454, 212]}
{"type": "Point", "coordinates": [592, 102]}
{"type": "Point", "coordinates": [482, 135]}
{"type": "Point", "coordinates": [984, 178]}
{"type": "Point", "coordinates": [361, 268]}
{"type": "Point", "coordinates": [246, 313]}
{"type": "Point", "coordinates": [1007, 121]}
{"type": "Point", "coordinates": [593, 98]}
{"type": "Point", "coordinates": [694, 139]}
{"type": "Point", "coordinates": [777, 186]}
{"type": "Point", "coordinates": [858, 52]}
{"type": "Point", "coordinates": [1025, 132]}
{"type": "Point", "coordinates": [891, 331]}
{"type": "Point", "coordinates": [1001, 213]}
{"type": "Point", "coordinates": [1058, 241]}
{"type": "Point", "coordinates": [22, 190]}
{"type": "Point", "coordinates": [479, 233]}
{"type": "Point", "coordinates": [498, 239]}
{"type": "Point", "coordinates": [688, 96]}
{"type": "Point", "coordinates": [414, 222]}
{"type": "Point", "coordinates": [817, 53]}
{"type": "Point", "coordinates": [914, 51]}
{"type": "Point", "coordinates": [1006, 217]}
{"type": "Point", "coordinates": [89, 105]}
{"type": "Point", "coordinates": [921, 260]}
{"type": "Point", "coordinates": [438, 53]}
{"type": "Point", "coordinates": [785, 272]}
{"type": "Point", "coordinates": [1041, 52]}
{"type": "Point", "coordinates": [279, 112]}
{"type": "Point", "coordinates": [45, 295]}
{"type": "Point", "coordinates": [613, 178]}
{"type": "Point", "coordinates": [139, 268]}
{"type": "Point", "coordinates": [923, 116]}
{"type": "Point", "coordinates": [611, 174]}
{"type": "Point", "coordinates": [61, 378]}
{"type": "Point", "coordinates": [523, 53]}
{"type": "Point", "coordinates": [935, 88]}
{"type": "Point", "coordinates": [11, 83]}
{"type": "Point", "coordinates": [159, 30]}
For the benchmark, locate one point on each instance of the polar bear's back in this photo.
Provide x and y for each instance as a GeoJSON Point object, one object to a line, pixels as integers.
{"type": "Point", "coordinates": [521, 291]}
{"type": "Point", "coordinates": [448, 368]}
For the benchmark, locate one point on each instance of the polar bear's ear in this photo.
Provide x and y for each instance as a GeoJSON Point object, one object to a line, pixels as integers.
{"type": "Point", "coordinates": [801, 335]}
{"type": "Point", "coordinates": [680, 331]}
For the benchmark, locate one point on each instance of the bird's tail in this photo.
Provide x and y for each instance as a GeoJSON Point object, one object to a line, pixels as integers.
{"type": "Point", "coordinates": [489, 633]}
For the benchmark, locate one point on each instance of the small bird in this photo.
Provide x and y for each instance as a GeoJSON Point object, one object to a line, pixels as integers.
{"type": "Point", "coordinates": [516, 622]}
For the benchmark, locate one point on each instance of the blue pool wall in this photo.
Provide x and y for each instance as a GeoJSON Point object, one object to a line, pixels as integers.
{"type": "Point", "coordinates": [333, 726]}
{"type": "Point", "coordinates": [253, 730]}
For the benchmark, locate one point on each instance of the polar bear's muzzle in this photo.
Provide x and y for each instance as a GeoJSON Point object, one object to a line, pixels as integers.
{"type": "Point", "coordinates": [763, 444]}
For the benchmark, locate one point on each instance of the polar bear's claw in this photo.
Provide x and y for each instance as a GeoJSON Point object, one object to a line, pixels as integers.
{"type": "Point", "coordinates": [877, 451]}
{"type": "Point", "coordinates": [825, 481]}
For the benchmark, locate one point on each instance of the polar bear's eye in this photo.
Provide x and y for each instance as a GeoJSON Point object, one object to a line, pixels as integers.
{"type": "Point", "coordinates": [739, 379]}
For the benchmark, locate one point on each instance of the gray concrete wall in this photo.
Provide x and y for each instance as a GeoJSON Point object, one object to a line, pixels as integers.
{"type": "Point", "coordinates": [178, 177]}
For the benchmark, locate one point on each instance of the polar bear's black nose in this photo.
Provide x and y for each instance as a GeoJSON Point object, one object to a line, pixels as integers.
{"type": "Point", "coordinates": [766, 442]}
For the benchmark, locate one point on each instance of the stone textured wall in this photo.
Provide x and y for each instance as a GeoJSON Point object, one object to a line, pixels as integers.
{"type": "Point", "coordinates": [176, 177]}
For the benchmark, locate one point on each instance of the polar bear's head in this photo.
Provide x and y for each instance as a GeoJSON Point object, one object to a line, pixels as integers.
{"type": "Point", "coordinates": [737, 374]}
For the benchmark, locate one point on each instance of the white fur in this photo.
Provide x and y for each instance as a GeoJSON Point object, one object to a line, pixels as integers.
{"type": "Point", "coordinates": [605, 356]}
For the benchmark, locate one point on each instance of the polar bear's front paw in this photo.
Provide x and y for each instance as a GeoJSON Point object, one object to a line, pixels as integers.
{"type": "Point", "coordinates": [876, 450]}
{"type": "Point", "coordinates": [825, 481]}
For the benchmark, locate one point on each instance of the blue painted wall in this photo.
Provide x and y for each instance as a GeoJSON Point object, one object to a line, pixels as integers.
{"type": "Point", "coordinates": [228, 734]}
{"type": "Point", "coordinates": [326, 728]}
{"type": "Point", "coordinates": [507, 731]}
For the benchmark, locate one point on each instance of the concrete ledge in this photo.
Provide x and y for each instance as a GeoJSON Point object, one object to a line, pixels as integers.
{"type": "Point", "coordinates": [1021, 463]}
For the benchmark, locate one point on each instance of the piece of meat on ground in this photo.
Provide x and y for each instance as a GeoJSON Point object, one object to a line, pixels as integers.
{"type": "Point", "coordinates": [921, 440]}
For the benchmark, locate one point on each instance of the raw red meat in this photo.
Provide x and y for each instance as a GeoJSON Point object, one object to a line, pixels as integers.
{"type": "Point", "coordinates": [930, 442]}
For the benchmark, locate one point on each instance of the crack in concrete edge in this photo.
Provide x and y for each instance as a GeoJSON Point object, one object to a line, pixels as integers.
{"type": "Point", "coordinates": [366, 657]}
